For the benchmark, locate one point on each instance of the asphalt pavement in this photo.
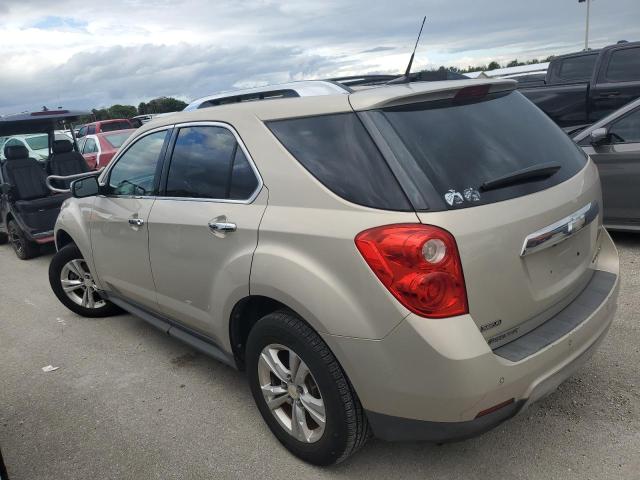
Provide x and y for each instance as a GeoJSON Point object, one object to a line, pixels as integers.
{"type": "Point", "coordinates": [128, 402]}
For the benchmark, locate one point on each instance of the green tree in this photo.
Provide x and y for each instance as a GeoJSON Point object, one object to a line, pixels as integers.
{"type": "Point", "coordinates": [100, 114]}
{"type": "Point", "coordinates": [493, 66]}
{"type": "Point", "coordinates": [122, 111]}
{"type": "Point", "coordinates": [164, 105]}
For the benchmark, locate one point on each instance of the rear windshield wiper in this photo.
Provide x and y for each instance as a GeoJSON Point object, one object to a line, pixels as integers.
{"type": "Point", "coordinates": [529, 174]}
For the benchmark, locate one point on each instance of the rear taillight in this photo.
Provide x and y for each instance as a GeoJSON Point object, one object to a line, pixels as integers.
{"type": "Point", "coordinates": [419, 265]}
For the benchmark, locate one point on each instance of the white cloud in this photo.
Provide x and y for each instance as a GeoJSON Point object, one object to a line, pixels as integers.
{"type": "Point", "coordinates": [91, 54]}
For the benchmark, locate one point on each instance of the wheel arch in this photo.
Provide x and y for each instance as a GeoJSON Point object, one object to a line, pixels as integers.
{"type": "Point", "coordinates": [63, 239]}
{"type": "Point", "coordinates": [244, 315]}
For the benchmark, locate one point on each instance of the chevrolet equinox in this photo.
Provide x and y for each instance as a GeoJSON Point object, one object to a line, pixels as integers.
{"type": "Point", "coordinates": [415, 262]}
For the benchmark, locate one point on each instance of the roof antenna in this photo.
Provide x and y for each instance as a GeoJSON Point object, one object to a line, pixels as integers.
{"type": "Point", "coordinates": [406, 77]}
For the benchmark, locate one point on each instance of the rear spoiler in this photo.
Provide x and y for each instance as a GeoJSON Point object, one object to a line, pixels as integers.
{"type": "Point", "coordinates": [417, 92]}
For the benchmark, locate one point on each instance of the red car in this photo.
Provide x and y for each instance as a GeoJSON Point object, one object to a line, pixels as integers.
{"type": "Point", "coordinates": [99, 149]}
{"type": "Point", "coordinates": [103, 126]}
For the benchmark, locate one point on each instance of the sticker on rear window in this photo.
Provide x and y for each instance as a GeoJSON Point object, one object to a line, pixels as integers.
{"type": "Point", "coordinates": [471, 195]}
{"type": "Point", "coordinates": [453, 197]}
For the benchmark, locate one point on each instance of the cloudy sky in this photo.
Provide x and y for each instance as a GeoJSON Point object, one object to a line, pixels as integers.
{"type": "Point", "coordinates": [86, 54]}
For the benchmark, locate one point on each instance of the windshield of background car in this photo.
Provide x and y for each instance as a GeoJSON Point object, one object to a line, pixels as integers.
{"type": "Point", "coordinates": [38, 142]}
{"type": "Point", "coordinates": [111, 126]}
{"type": "Point", "coordinates": [457, 147]}
{"type": "Point", "coordinates": [117, 139]}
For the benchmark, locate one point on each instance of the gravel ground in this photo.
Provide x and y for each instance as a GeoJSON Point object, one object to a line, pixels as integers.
{"type": "Point", "coordinates": [130, 402]}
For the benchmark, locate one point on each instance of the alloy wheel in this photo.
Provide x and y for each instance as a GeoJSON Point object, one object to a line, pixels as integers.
{"type": "Point", "coordinates": [78, 284]}
{"type": "Point", "coordinates": [291, 393]}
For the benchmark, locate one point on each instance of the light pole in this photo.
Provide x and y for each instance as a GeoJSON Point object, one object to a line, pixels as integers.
{"type": "Point", "coordinates": [586, 32]}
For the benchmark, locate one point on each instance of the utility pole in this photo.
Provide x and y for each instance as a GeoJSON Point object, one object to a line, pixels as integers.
{"type": "Point", "coordinates": [586, 32]}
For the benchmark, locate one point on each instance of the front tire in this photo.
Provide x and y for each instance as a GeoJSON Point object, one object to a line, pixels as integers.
{"type": "Point", "coordinates": [24, 248]}
{"type": "Point", "coordinates": [72, 282]}
{"type": "Point", "coordinates": [301, 391]}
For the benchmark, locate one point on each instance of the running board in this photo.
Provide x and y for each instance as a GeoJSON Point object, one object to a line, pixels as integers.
{"type": "Point", "coordinates": [173, 329]}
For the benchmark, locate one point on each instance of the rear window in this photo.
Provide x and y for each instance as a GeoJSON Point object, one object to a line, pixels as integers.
{"type": "Point", "coordinates": [455, 148]}
{"type": "Point", "coordinates": [111, 126]}
{"type": "Point", "coordinates": [117, 139]}
{"type": "Point", "coordinates": [624, 65]}
{"type": "Point", "coordinates": [577, 68]}
{"type": "Point", "coordinates": [338, 151]}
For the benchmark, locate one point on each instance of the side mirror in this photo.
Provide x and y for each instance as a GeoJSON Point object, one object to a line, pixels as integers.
{"type": "Point", "coordinates": [85, 187]}
{"type": "Point", "coordinates": [599, 135]}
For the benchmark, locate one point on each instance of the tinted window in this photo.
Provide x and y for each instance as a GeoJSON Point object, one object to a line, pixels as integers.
{"type": "Point", "coordinates": [243, 180]}
{"type": "Point", "coordinates": [337, 150]}
{"type": "Point", "coordinates": [112, 126]}
{"type": "Point", "coordinates": [91, 129]}
{"type": "Point", "coordinates": [135, 171]}
{"type": "Point", "coordinates": [627, 129]}
{"type": "Point", "coordinates": [624, 65]}
{"type": "Point", "coordinates": [577, 68]}
{"type": "Point", "coordinates": [202, 163]}
{"type": "Point", "coordinates": [82, 132]}
{"type": "Point", "coordinates": [458, 147]}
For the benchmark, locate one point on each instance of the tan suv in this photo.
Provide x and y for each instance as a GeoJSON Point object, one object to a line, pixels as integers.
{"type": "Point", "coordinates": [417, 261]}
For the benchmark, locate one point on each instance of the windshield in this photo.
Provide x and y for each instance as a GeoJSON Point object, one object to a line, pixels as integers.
{"type": "Point", "coordinates": [117, 139]}
{"type": "Point", "coordinates": [39, 142]}
{"type": "Point", "coordinates": [455, 148]}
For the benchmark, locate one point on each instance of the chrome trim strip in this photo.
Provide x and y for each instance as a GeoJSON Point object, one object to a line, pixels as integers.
{"type": "Point", "coordinates": [561, 230]}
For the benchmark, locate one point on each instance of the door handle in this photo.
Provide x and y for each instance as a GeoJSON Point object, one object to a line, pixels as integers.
{"type": "Point", "coordinates": [137, 222]}
{"type": "Point", "coordinates": [222, 227]}
{"type": "Point", "coordinates": [609, 94]}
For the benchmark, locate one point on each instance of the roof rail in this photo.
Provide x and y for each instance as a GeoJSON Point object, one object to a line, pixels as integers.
{"type": "Point", "coordinates": [362, 80]}
{"type": "Point", "coordinates": [305, 88]}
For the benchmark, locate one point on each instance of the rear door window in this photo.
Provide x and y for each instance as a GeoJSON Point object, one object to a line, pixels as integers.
{"type": "Point", "coordinates": [624, 65]}
{"type": "Point", "coordinates": [455, 148]}
{"type": "Point", "coordinates": [91, 129]}
{"type": "Point", "coordinates": [207, 162]}
{"type": "Point", "coordinates": [90, 146]}
{"type": "Point", "coordinates": [337, 150]}
{"type": "Point", "coordinates": [577, 68]}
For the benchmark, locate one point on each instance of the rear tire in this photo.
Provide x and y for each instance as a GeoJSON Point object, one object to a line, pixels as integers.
{"type": "Point", "coordinates": [67, 270]}
{"type": "Point", "coordinates": [24, 248]}
{"type": "Point", "coordinates": [341, 427]}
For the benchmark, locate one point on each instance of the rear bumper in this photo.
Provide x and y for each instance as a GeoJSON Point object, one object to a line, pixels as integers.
{"type": "Point", "coordinates": [430, 378]}
{"type": "Point", "coordinates": [391, 428]}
